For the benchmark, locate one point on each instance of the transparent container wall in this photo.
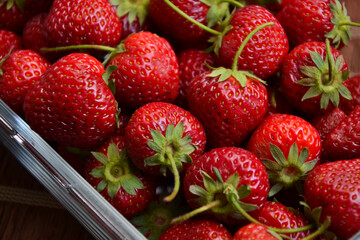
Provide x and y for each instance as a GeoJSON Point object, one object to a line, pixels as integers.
{"type": "Point", "coordinates": [61, 180]}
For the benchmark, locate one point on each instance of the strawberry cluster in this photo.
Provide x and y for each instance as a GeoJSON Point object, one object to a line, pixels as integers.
{"type": "Point", "coordinates": [196, 119]}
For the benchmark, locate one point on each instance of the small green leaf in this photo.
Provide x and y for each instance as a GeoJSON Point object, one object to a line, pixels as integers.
{"type": "Point", "coordinates": [334, 98]}
{"type": "Point", "coordinates": [233, 180]}
{"type": "Point", "coordinates": [244, 191]}
{"type": "Point", "coordinates": [218, 175]}
{"type": "Point", "coordinates": [271, 165]}
{"type": "Point", "coordinates": [217, 72]}
{"type": "Point", "coordinates": [158, 138]}
{"type": "Point", "coordinates": [102, 185]}
{"type": "Point", "coordinates": [154, 146]}
{"type": "Point", "coordinates": [131, 182]}
{"type": "Point", "coordinates": [324, 101]}
{"type": "Point", "coordinates": [199, 191]}
{"type": "Point", "coordinates": [248, 207]}
{"type": "Point", "coordinates": [275, 189]}
{"type": "Point", "coordinates": [169, 131]}
{"type": "Point", "coordinates": [178, 131]}
{"type": "Point", "coordinates": [113, 189]}
{"type": "Point", "coordinates": [278, 155]}
{"type": "Point", "coordinates": [293, 154]}
{"type": "Point", "coordinates": [312, 92]}
{"type": "Point", "coordinates": [225, 75]}
{"type": "Point", "coordinates": [317, 59]}
{"type": "Point", "coordinates": [304, 154]}
{"type": "Point", "coordinates": [100, 157]}
{"type": "Point", "coordinates": [209, 183]}
{"type": "Point", "coordinates": [98, 172]}
{"type": "Point", "coordinates": [240, 77]}
{"type": "Point", "coordinates": [307, 82]}
{"type": "Point", "coordinates": [308, 166]}
{"type": "Point", "coordinates": [310, 71]}
{"type": "Point", "coordinates": [344, 92]}
{"type": "Point", "coordinates": [153, 160]}
{"type": "Point", "coordinates": [113, 153]}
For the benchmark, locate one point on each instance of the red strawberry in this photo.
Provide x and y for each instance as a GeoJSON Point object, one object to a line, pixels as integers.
{"type": "Point", "coordinates": [316, 20]}
{"type": "Point", "coordinates": [110, 172]}
{"type": "Point", "coordinates": [343, 142]}
{"type": "Point", "coordinates": [334, 187]}
{"type": "Point", "coordinates": [73, 22]}
{"type": "Point", "coordinates": [353, 84]}
{"type": "Point", "coordinates": [289, 147]}
{"type": "Point", "coordinates": [161, 137]}
{"type": "Point", "coordinates": [192, 62]}
{"type": "Point", "coordinates": [9, 42]}
{"type": "Point", "coordinates": [264, 52]}
{"type": "Point", "coordinates": [71, 103]}
{"type": "Point", "coordinates": [17, 74]}
{"type": "Point", "coordinates": [147, 71]}
{"type": "Point", "coordinates": [196, 229]}
{"type": "Point", "coordinates": [327, 122]}
{"type": "Point", "coordinates": [253, 231]}
{"type": "Point", "coordinates": [312, 76]}
{"type": "Point", "coordinates": [222, 174]}
{"type": "Point", "coordinates": [175, 25]}
{"type": "Point", "coordinates": [276, 215]}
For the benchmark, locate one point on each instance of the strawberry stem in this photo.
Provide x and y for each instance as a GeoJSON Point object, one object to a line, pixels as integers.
{"type": "Point", "coordinates": [320, 230]}
{"type": "Point", "coordinates": [246, 40]}
{"type": "Point", "coordinates": [81, 46]}
{"type": "Point", "coordinates": [175, 171]}
{"type": "Point", "coordinates": [349, 24]}
{"type": "Point", "coordinates": [202, 209]}
{"type": "Point", "coordinates": [200, 25]}
{"type": "Point", "coordinates": [253, 220]}
{"type": "Point", "coordinates": [330, 60]}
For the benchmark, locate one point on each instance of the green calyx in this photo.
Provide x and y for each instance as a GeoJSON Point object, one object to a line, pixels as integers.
{"type": "Point", "coordinates": [325, 79]}
{"type": "Point", "coordinates": [284, 173]}
{"type": "Point", "coordinates": [10, 3]}
{"type": "Point", "coordinates": [342, 22]}
{"type": "Point", "coordinates": [134, 8]}
{"type": "Point", "coordinates": [171, 151]}
{"type": "Point", "coordinates": [115, 172]}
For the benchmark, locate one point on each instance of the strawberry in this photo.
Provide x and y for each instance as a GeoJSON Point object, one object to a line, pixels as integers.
{"type": "Point", "coordinates": [162, 136]}
{"type": "Point", "coordinates": [223, 176]}
{"type": "Point", "coordinates": [253, 231]}
{"type": "Point", "coordinates": [71, 103]}
{"type": "Point", "coordinates": [343, 142]}
{"type": "Point", "coordinates": [327, 122]}
{"type": "Point", "coordinates": [73, 22]}
{"type": "Point", "coordinates": [264, 52]}
{"type": "Point", "coordinates": [192, 229]}
{"type": "Point", "coordinates": [146, 62]}
{"type": "Point", "coordinates": [272, 5]}
{"type": "Point", "coordinates": [312, 77]}
{"type": "Point", "coordinates": [110, 172]}
{"type": "Point", "coordinates": [333, 188]}
{"type": "Point", "coordinates": [276, 215]}
{"type": "Point", "coordinates": [18, 72]}
{"type": "Point", "coordinates": [289, 147]}
{"type": "Point", "coordinates": [353, 84]}
{"type": "Point", "coordinates": [316, 20]}
{"type": "Point", "coordinates": [9, 42]}
{"type": "Point", "coordinates": [192, 62]}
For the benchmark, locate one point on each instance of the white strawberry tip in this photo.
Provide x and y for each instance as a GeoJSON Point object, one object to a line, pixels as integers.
{"type": "Point", "coordinates": [115, 172]}
{"type": "Point", "coordinates": [290, 172]}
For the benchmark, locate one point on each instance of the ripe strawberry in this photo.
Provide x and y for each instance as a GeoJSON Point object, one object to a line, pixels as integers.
{"type": "Point", "coordinates": [327, 122]}
{"type": "Point", "coordinates": [264, 52]}
{"type": "Point", "coordinates": [192, 62]}
{"type": "Point", "coordinates": [316, 20]}
{"type": "Point", "coordinates": [196, 229]}
{"type": "Point", "coordinates": [312, 75]}
{"type": "Point", "coordinates": [343, 142]}
{"type": "Point", "coordinates": [353, 84]}
{"type": "Point", "coordinates": [174, 25]}
{"type": "Point", "coordinates": [9, 42]}
{"type": "Point", "coordinates": [334, 187]}
{"type": "Point", "coordinates": [161, 137]}
{"type": "Point", "coordinates": [82, 22]}
{"type": "Point", "coordinates": [276, 215]}
{"type": "Point", "coordinates": [253, 231]}
{"type": "Point", "coordinates": [223, 176]}
{"type": "Point", "coordinates": [17, 74]}
{"type": "Point", "coordinates": [147, 71]}
{"type": "Point", "coordinates": [110, 172]}
{"type": "Point", "coordinates": [71, 103]}
{"type": "Point", "coordinates": [289, 147]}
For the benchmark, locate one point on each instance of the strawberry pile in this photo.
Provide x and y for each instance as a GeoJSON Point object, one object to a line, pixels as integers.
{"type": "Point", "coordinates": [196, 119]}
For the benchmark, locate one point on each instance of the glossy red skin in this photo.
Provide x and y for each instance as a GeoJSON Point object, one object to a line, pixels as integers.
{"type": "Point", "coordinates": [20, 70]}
{"type": "Point", "coordinates": [326, 123]}
{"type": "Point", "coordinates": [264, 52]}
{"type": "Point", "coordinates": [227, 111]}
{"type": "Point", "coordinates": [353, 84]}
{"type": "Point", "coordinates": [335, 187]}
{"type": "Point", "coordinates": [192, 62]}
{"type": "Point", "coordinates": [9, 41]}
{"type": "Point", "coordinates": [158, 116]}
{"type": "Point", "coordinates": [71, 103]}
{"type": "Point", "coordinates": [253, 231]}
{"type": "Point", "coordinates": [196, 229]}
{"type": "Point", "coordinates": [343, 142]}
{"type": "Point", "coordinates": [127, 204]}
{"type": "Point", "coordinates": [77, 22]}
{"type": "Point", "coordinates": [291, 74]}
{"type": "Point", "coordinates": [306, 20]}
{"type": "Point", "coordinates": [283, 130]}
{"type": "Point", "coordinates": [277, 215]}
{"type": "Point", "coordinates": [176, 26]}
{"type": "Point", "coordinates": [148, 71]}
{"type": "Point", "coordinates": [229, 160]}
